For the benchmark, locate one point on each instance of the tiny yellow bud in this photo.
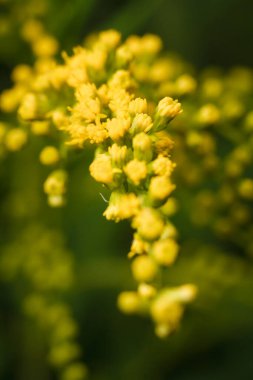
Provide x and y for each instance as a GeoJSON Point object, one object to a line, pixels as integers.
{"type": "Point", "coordinates": [166, 311]}
{"type": "Point", "coordinates": [110, 38]}
{"type": "Point", "coordinates": [118, 154]}
{"type": "Point", "coordinates": [55, 184]}
{"type": "Point", "coordinates": [160, 188]}
{"type": "Point", "coordinates": [165, 251]}
{"type": "Point", "coordinates": [208, 114]}
{"type": "Point", "coordinates": [15, 139]}
{"type": "Point", "coordinates": [123, 56]}
{"type": "Point", "coordinates": [49, 155]}
{"type": "Point", "coordinates": [144, 269]}
{"type": "Point", "coordinates": [129, 302]}
{"type": "Point", "coordinates": [185, 84]}
{"type": "Point", "coordinates": [40, 128]}
{"type": "Point", "coordinates": [21, 73]}
{"type": "Point", "coordinates": [32, 30]}
{"type": "Point", "coordinates": [149, 224]}
{"type": "Point", "coordinates": [169, 108]}
{"type": "Point", "coordinates": [138, 246]}
{"type": "Point", "coordinates": [122, 206]}
{"type": "Point", "coordinates": [141, 123]}
{"type": "Point", "coordinates": [142, 145]}
{"type": "Point", "coordinates": [151, 44]}
{"type": "Point", "coordinates": [29, 107]}
{"type": "Point", "coordinates": [162, 330]}
{"type": "Point", "coordinates": [117, 128]}
{"type": "Point", "coordinates": [45, 46]}
{"type": "Point", "coordinates": [101, 169]}
{"type": "Point", "coordinates": [163, 166]}
{"type": "Point", "coordinates": [138, 105]}
{"type": "Point", "coordinates": [146, 290]}
{"type": "Point", "coordinates": [136, 171]}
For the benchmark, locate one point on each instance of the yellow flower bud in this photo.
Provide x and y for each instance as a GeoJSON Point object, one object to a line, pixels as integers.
{"type": "Point", "coordinates": [165, 251]}
{"type": "Point", "coordinates": [166, 311]}
{"type": "Point", "coordinates": [32, 30]}
{"type": "Point", "coordinates": [21, 73]}
{"type": "Point", "coordinates": [15, 139]}
{"type": "Point", "coordinates": [49, 155]}
{"type": "Point", "coordinates": [110, 38]}
{"type": "Point", "coordinates": [40, 128]}
{"type": "Point", "coordinates": [29, 107]}
{"type": "Point", "coordinates": [146, 290]}
{"type": "Point", "coordinates": [149, 224]}
{"type": "Point", "coordinates": [123, 56]}
{"type": "Point", "coordinates": [142, 145]}
{"type": "Point", "coordinates": [122, 206]}
{"type": "Point", "coordinates": [55, 184]}
{"type": "Point", "coordinates": [208, 114]}
{"type": "Point", "coordinates": [119, 154]}
{"type": "Point", "coordinates": [45, 46]}
{"type": "Point", "coordinates": [168, 108]}
{"type": "Point", "coordinates": [117, 128]}
{"type": "Point", "coordinates": [138, 105]}
{"type": "Point", "coordinates": [129, 302]}
{"type": "Point", "coordinates": [121, 79]}
{"type": "Point", "coordinates": [136, 171]}
{"type": "Point", "coordinates": [160, 188]}
{"type": "Point", "coordinates": [101, 169]}
{"type": "Point", "coordinates": [151, 44]}
{"type": "Point", "coordinates": [144, 269]}
{"type": "Point", "coordinates": [163, 166]}
{"type": "Point", "coordinates": [141, 123]}
{"type": "Point", "coordinates": [185, 84]}
{"type": "Point", "coordinates": [138, 246]}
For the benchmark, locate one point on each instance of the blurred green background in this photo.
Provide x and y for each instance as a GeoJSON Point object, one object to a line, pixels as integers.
{"type": "Point", "coordinates": [216, 337]}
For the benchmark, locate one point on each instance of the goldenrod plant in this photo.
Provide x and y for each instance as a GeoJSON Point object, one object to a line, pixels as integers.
{"type": "Point", "coordinates": [173, 157]}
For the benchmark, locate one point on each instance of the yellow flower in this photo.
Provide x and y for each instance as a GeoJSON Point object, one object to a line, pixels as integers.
{"type": "Point", "coordinates": [49, 155]}
{"type": "Point", "coordinates": [138, 105]}
{"type": "Point", "coordinates": [29, 107]}
{"type": "Point", "coordinates": [149, 224]}
{"type": "Point", "coordinates": [141, 123]}
{"type": "Point", "coordinates": [129, 302]}
{"type": "Point", "coordinates": [101, 169]}
{"type": "Point", "coordinates": [169, 108]}
{"type": "Point", "coordinates": [165, 251]}
{"type": "Point", "coordinates": [110, 38]}
{"type": "Point", "coordinates": [119, 154]}
{"type": "Point", "coordinates": [185, 84]}
{"type": "Point", "coordinates": [160, 188]}
{"type": "Point", "coordinates": [117, 128]}
{"type": "Point", "coordinates": [136, 171]}
{"type": "Point", "coordinates": [15, 139]}
{"type": "Point", "coordinates": [122, 206]}
{"type": "Point", "coordinates": [208, 114]}
{"type": "Point", "coordinates": [163, 166]}
{"type": "Point", "coordinates": [144, 269]}
{"type": "Point", "coordinates": [45, 46]}
{"type": "Point", "coordinates": [142, 145]}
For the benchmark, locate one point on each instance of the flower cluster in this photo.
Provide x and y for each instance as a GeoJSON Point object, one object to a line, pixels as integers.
{"type": "Point", "coordinates": [96, 96]}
